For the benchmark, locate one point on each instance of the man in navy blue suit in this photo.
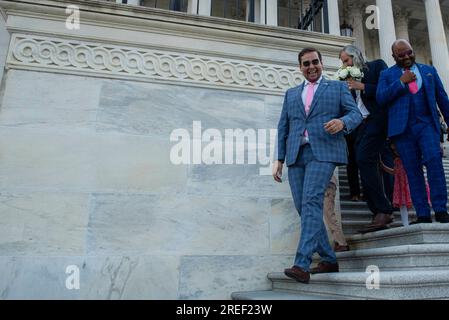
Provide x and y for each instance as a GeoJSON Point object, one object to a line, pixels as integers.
{"type": "Point", "coordinates": [370, 136]}
{"type": "Point", "coordinates": [311, 142]}
{"type": "Point", "coordinates": [411, 92]}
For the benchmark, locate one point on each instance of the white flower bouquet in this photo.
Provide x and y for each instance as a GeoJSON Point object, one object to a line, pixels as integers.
{"type": "Point", "coordinates": [344, 73]}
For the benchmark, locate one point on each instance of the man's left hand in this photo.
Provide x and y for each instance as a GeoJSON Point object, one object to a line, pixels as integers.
{"type": "Point", "coordinates": [334, 126]}
{"type": "Point", "coordinates": [355, 85]}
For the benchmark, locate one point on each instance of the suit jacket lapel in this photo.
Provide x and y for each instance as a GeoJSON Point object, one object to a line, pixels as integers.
{"type": "Point", "coordinates": [299, 99]}
{"type": "Point", "coordinates": [321, 88]}
{"type": "Point", "coordinates": [425, 81]}
{"type": "Point", "coordinates": [397, 72]}
{"type": "Point", "coordinates": [426, 84]}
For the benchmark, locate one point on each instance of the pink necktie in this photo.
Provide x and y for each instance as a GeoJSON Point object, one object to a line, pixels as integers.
{"type": "Point", "coordinates": [309, 99]}
{"type": "Point", "coordinates": [412, 86]}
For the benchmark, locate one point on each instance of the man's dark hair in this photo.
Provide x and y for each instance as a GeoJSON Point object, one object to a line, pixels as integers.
{"type": "Point", "coordinates": [308, 50]}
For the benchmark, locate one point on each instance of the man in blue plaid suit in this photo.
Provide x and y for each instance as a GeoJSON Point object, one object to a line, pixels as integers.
{"type": "Point", "coordinates": [411, 92]}
{"type": "Point", "coordinates": [315, 116]}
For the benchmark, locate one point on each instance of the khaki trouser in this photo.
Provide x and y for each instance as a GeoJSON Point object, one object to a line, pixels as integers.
{"type": "Point", "coordinates": [332, 219]}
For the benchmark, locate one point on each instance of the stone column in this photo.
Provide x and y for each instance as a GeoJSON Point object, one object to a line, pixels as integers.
{"type": "Point", "coordinates": [387, 33]}
{"type": "Point", "coordinates": [401, 18]}
{"type": "Point", "coordinates": [373, 52]}
{"type": "Point", "coordinates": [438, 42]}
{"type": "Point", "coordinates": [192, 6]}
{"type": "Point", "coordinates": [334, 17]}
{"type": "Point", "coordinates": [272, 12]}
{"type": "Point", "coordinates": [422, 50]}
{"type": "Point", "coordinates": [446, 18]}
{"type": "Point", "coordinates": [356, 15]}
{"type": "Point", "coordinates": [201, 7]}
{"type": "Point", "coordinates": [259, 15]}
{"type": "Point", "coordinates": [259, 11]}
{"type": "Point", "coordinates": [268, 12]}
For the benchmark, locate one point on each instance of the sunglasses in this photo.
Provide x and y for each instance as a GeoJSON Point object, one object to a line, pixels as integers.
{"type": "Point", "coordinates": [308, 63]}
{"type": "Point", "coordinates": [406, 53]}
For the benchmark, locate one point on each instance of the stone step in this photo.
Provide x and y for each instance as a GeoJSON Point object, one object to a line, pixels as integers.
{"type": "Point", "coordinates": [400, 257]}
{"type": "Point", "coordinates": [398, 285]}
{"type": "Point", "coordinates": [423, 233]}
{"type": "Point", "coordinates": [344, 189]}
{"type": "Point", "coordinates": [347, 205]}
{"type": "Point", "coordinates": [366, 215]}
{"type": "Point", "coordinates": [342, 174]}
{"type": "Point", "coordinates": [345, 192]}
{"type": "Point", "coordinates": [344, 182]}
{"type": "Point", "coordinates": [353, 205]}
{"type": "Point", "coordinates": [342, 169]}
{"type": "Point", "coordinates": [279, 295]}
{"type": "Point", "coordinates": [352, 227]}
{"type": "Point", "coordinates": [343, 179]}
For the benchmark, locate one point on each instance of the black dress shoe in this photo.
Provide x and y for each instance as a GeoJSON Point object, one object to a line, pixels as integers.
{"type": "Point", "coordinates": [442, 217]}
{"type": "Point", "coordinates": [422, 220]}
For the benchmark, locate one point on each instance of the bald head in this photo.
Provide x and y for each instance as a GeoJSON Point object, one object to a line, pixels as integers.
{"type": "Point", "coordinates": [400, 42]}
{"type": "Point", "coordinates": [403, 53]}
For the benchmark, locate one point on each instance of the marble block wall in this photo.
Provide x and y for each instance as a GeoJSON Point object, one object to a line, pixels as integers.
{"type": "Point", "coordinates": [86, 180]}
{"type": "Point", "coordinates": [88, 194]}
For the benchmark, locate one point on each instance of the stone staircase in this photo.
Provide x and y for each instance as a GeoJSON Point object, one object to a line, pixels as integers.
{"type": "Point", "coordinates": [356, 215]}
{"type": "Point", "coordinates": [413, 262]}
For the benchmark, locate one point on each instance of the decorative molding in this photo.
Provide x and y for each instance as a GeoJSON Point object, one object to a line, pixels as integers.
{"type": "Point", "coordinates": [82, 57]}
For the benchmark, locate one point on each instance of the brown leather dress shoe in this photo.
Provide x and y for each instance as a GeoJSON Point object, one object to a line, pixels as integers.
{"type": "Point", "coordinates": [380, 222]}
{"type": "Point", "coordinates": [339, 248]}
{"type": "Point", "coordinates": [297, 274]}
{"type": "Point", "coordinates": [325, 267]}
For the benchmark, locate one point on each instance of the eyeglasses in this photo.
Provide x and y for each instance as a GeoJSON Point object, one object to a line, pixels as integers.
{"type": "Point", "coordinates": [406, 53]}
{"type": "Point", "coordinates": [315, 62]}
